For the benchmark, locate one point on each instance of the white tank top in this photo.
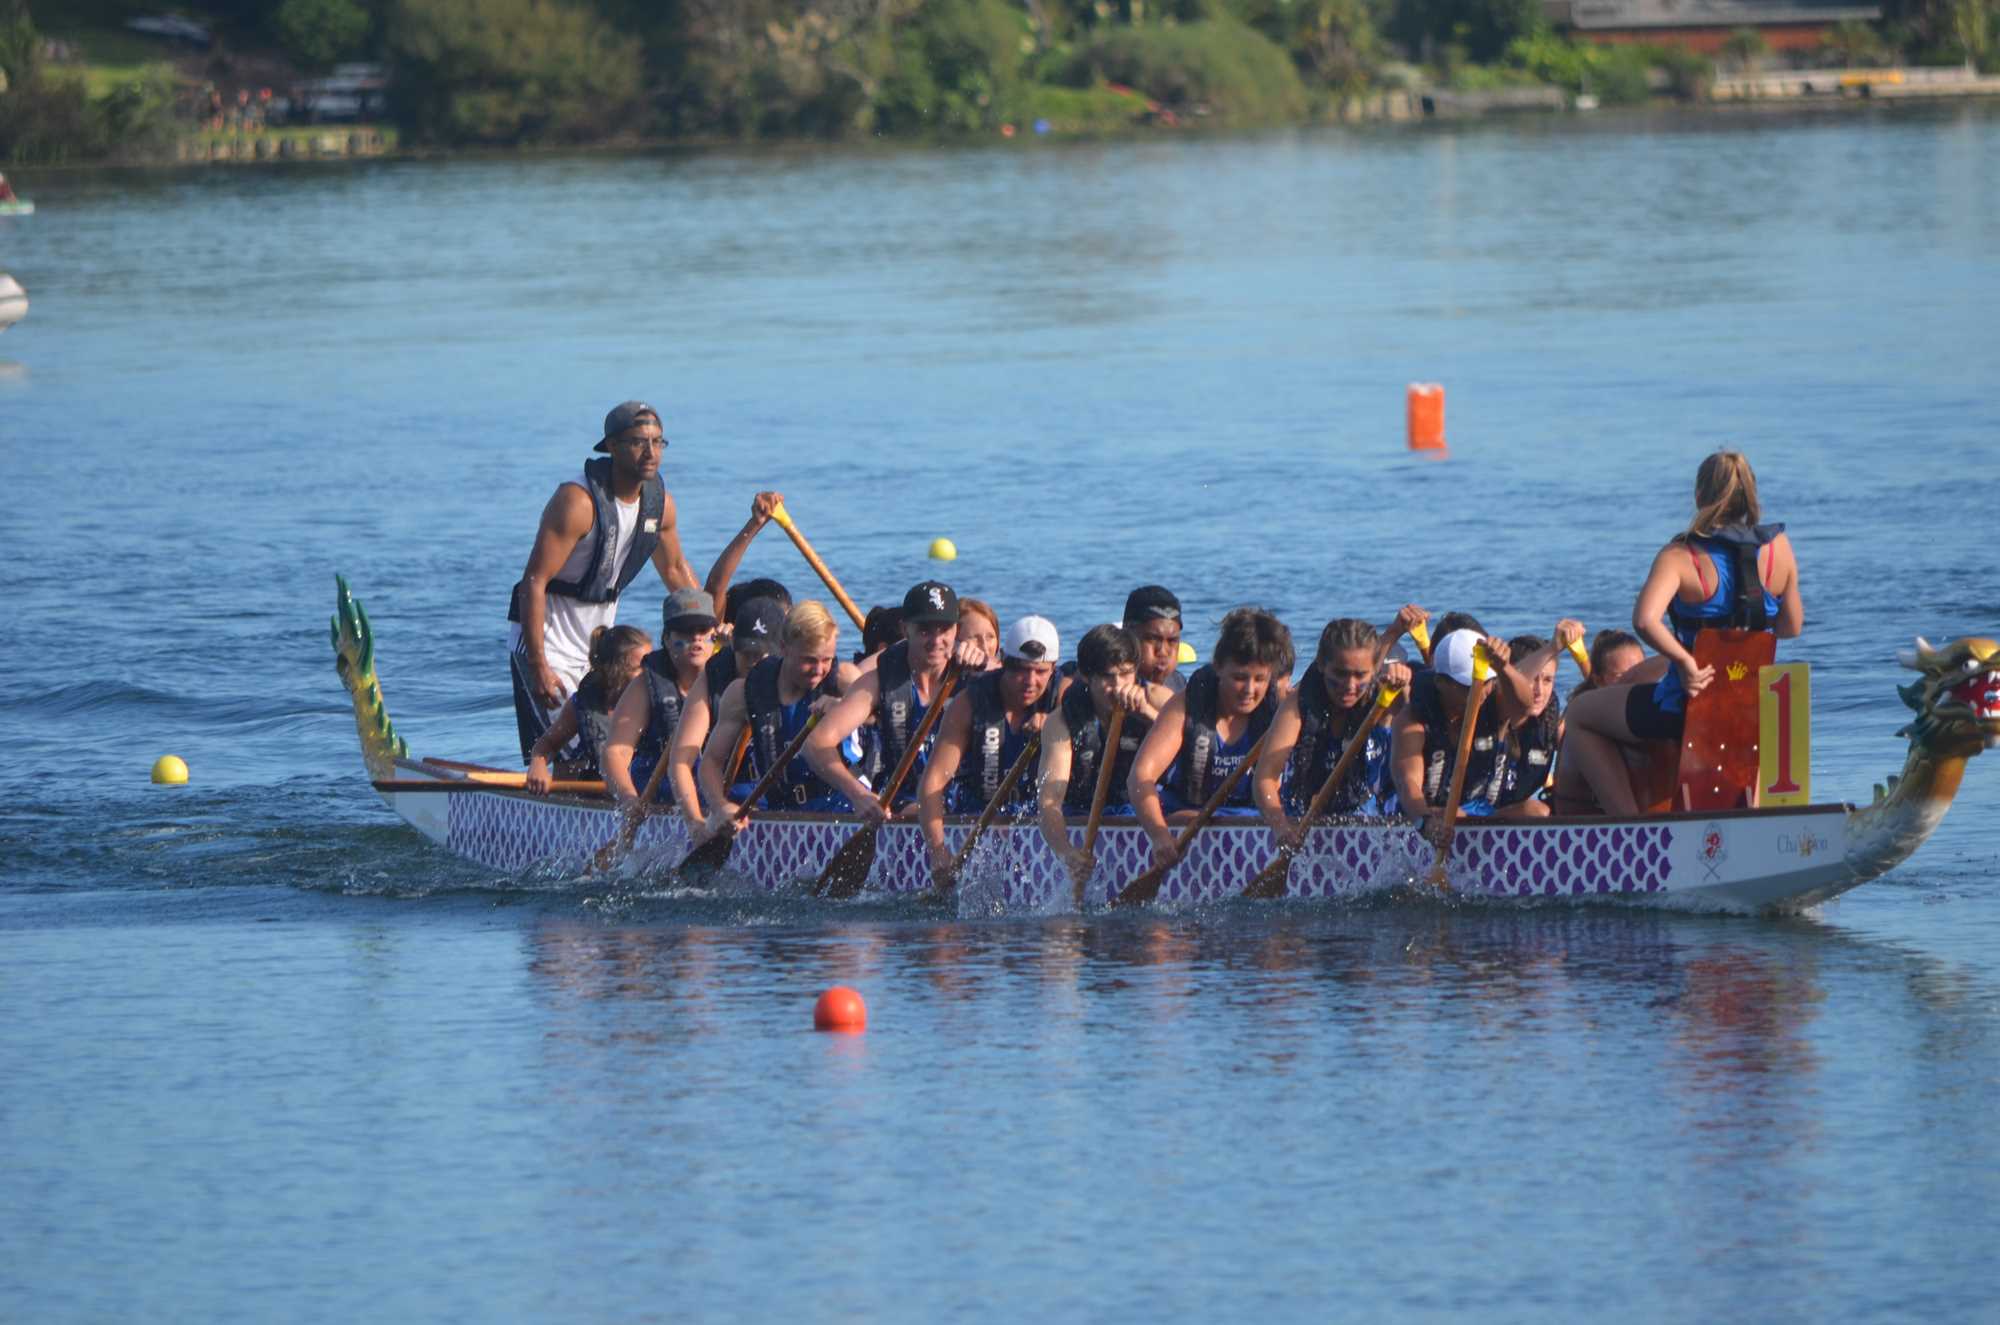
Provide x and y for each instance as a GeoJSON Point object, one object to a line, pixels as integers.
{"type": "Point", "coordinates": [569, 622]}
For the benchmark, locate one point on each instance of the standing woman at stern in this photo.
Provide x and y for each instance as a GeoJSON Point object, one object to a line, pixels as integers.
{"type": "Point", "coordinates": [1727, 571]}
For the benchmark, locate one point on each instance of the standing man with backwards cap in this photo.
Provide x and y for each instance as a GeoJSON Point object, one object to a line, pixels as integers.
{"type": "Point", "coordinates": [985, 730]}
{"type": "Point", "coordinates": [896, 686]}
{"type": "Point", "coordinates": [597, 532]}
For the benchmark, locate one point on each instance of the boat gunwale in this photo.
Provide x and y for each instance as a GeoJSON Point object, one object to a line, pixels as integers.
{"type": "Point", "coordinates": [402, 786]}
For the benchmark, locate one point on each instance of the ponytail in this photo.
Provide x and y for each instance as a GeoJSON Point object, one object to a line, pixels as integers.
{"type": "Point", "coordinates": [1725, 493]}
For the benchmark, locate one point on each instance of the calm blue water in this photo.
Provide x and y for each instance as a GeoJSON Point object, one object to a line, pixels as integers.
{"type": "Point", "coordinates": [268, 1056]}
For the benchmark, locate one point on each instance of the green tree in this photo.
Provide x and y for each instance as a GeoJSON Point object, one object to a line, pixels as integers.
{"type": "Point", "coordinates": [1744, 47]}
{"type": "Point", "coordinates": [509, 71]}
{"type": "Point", "coordinates": [317, 33]}
{"type": "Point", "coordinates": [1853, 43]}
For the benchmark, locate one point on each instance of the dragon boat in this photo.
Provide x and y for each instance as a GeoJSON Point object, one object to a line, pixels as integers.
{"type": "Point", "coordinates": [1771, 860]}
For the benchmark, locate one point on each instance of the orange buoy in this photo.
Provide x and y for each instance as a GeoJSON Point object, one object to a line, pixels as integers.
{"type": "Point", "coordinates": [840, 1009]}
{"type": "Point", "coordinates": [1426, 415]}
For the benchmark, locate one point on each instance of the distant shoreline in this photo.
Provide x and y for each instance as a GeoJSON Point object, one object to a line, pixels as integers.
{"type": "Point", "coordinates": [381, 142]}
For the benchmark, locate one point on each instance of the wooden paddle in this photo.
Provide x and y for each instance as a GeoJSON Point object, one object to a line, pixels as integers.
{"type": "Point", "coordinates": [1107, 759]}
{"type": "Point", "coordinates": [993, 806]}
{"type": "Point", "coordinates": [710, 854]}
{"type": "Point", "coordinates": [571, 785]}
{"type": "Point", "coordinates": [847, 872]}
{"type": "Point", "coordinates": [1147, 886]}
{"type": "Point", "coordinates": [1482, 675]}
{"type": "Point", "coordinates": [784, 519]}
{"type": "Point", "coordinates": [613, 851]}
{"type": "Point", "coordinates": [1271, 880]}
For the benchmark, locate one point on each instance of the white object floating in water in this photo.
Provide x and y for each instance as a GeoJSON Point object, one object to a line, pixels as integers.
{"type": "Point", "coordinates": [13, 301]}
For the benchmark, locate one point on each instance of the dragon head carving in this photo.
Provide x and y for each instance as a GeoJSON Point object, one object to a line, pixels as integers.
{"type": "Point", "coordinates": [1956, 696]}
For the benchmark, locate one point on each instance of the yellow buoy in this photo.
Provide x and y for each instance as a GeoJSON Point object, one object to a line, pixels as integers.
{"type": "Point", "coordinates": [943, 549]}
{"type": "Point", "coordinates": [1188, 654]}
{"type": "Point", "coordinates": [170, 770]}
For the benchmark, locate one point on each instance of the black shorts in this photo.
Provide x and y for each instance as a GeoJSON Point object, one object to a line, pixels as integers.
{"type": "Point", "coordinates": [1648, 721]}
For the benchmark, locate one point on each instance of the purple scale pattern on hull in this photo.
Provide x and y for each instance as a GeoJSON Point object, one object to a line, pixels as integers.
{"type": "Point", "coordinates": [1013, 867]}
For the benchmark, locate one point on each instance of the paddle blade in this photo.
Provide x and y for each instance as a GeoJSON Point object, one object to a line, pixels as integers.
{"type": "Point", "coordinates": [1142, 889]}
{"type": "Point", "coordinates": [847, 873]}
{"type": "Point", "coordinates": [1271, 880]}
{"type": "Point", "coordinates": [712, 854]}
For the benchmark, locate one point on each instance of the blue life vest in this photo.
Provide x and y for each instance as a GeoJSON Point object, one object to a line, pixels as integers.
{"type": "Point", "coordinates": [1740, 600]}
{"type": "Point", "coordinates": [601, 582]}
{"type": "Point", "coordinates": [773, 724]}
{"type": "Point", "coordinates": [1321, 744]}
{"type": "Point", "coordinates": [1206, 760]}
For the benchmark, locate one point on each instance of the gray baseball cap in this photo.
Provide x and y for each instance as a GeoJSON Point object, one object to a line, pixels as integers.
{"type": "Point", "coordinates": [687, 609]}
{"type": "Point", "coordinates": [624, 416]}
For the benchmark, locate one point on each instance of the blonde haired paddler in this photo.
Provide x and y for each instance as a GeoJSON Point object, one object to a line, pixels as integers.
{"type": "Point", "coordinates": [776, 700]}
{"type": "Point", "coordinates": [1726, 571]}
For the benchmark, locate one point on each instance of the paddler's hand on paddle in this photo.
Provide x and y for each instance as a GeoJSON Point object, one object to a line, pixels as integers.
{"type": "Point", "coordinates": [722, 819]}
{"type": "Point", "coordinates": [1568, 631]}
{"type": "Point", "coordinates": [941, 863]}
{"type": "Point", "coordinates": [970, 656]}
{"type": "Point", "coordinates": [538, 780]}
{"type": "Point", "coordinates": [1497, 650]}
{"type": "Point", "coordinates": [763, 506]}
{"type": "Point", "coordinates": [870, 813]}
{"type": "Point", "coordinates": [1290, 832]}
{"type": "Point", "coordinates": [1165, 853]}
{"type": "Point", "coordinates": [1408, 618]}
{"type": "Point", "coordinates": [1133, 699]}
{"type": "Point", "coordinates": [823, 703]}
{"type": "Point", "coordinates": [550, 692]}
{"type": "Point", "coordinates": [1080, 866]}
{"type": "Point", "coordinates": [1395, 676]}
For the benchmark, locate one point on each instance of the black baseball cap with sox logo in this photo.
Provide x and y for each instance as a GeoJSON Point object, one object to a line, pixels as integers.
{"type": "Point", "coordinates": [930, 603]}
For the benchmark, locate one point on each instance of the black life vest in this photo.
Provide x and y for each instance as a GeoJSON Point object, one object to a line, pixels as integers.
{"type": "Point", "coordinates": [1531, 755]}
{"type": "Point", "coordinates": [770, 733]}
{"type": "Point", "coordinates": [1486, 772]}
{"type": "Point", "coordinates": [720, 671]}
{"type": "Point", "coordinates": [1321, 744]}
{"type": "Point", "coordinates": [900, 713]}
{"type": "Point", "coordinates": [983, 766]}
{"type": "Point", "coordinates": [1193, 775]}
{"type": "Point", "coordinates": [593, 721]}
{"type": "Point", "coordinates": [1086, 747]}
{"type": "Point", "coordinates": [1749, 606]}
{"type": "Point", "coordinates": [601, 582]}
{"type": "Point", "coordinates": [666, 700]}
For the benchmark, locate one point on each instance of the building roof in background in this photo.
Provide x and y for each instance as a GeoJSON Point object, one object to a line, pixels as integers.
{"type": "Point", "coordinates": [1589, 14]}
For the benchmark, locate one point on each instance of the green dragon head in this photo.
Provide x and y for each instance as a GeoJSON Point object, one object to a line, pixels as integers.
{"type": "Point", "coordinates": [354, 659]}
{"type": "Point", "coordinates": [1956, 697]}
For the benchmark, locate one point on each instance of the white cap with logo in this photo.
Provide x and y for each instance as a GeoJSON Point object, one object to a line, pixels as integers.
{"type": "Point", "coordinates": [1032, 639]}
{"type": "Point", "coordinates": [1454, 654]}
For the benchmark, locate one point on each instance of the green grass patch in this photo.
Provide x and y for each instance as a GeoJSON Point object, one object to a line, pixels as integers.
{"type": "Point", "coordinates": [1074, 111]}
{"type": "Point", "coordinates": [297, 133]}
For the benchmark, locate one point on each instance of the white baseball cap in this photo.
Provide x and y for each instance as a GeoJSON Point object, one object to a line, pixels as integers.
{"type": "Point", "coordinates": [1032, 639]}
{"type": "Point", "coordinates": [1453, 655]}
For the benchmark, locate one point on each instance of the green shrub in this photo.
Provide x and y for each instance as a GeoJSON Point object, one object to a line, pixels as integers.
{"type": "Point", "coordinates": [957, 66]}
{"type": "Point", "coordinates": [317, 33]}
{"type": "Point", "coordinates": [1613, 74]}
{"type": "Point", "coordinates": [1215, 66]}
{"type": "Point", "coordinates": [509, 71]}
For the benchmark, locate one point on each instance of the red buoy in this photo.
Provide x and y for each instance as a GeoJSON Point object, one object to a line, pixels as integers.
{"type": "Point", "coordinates": [840, 1009]}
